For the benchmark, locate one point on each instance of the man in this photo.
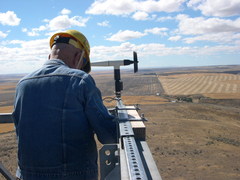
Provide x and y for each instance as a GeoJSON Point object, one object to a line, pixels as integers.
{"type": "Point", "coordinates": [57, 110]}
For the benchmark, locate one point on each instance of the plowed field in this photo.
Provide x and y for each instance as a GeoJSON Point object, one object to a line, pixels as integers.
{"type": "Point", "coordinates": [203, 83]}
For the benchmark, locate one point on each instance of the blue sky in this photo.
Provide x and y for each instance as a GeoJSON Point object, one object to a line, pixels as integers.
{"type": "Point", "coordinates": [164, 33]}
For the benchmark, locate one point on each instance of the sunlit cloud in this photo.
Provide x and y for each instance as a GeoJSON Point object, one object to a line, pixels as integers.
{"type": "Point", "coordinates": [112, 7]}
{"type": "Point", "coordinates": [3, 35]}
{"type": "Point", "coordinates": [103, 24]}
{"type": "Point", "coordinates": [158, 49]}
{"type": "Point", "coordinates": [64, 22]}
{"type": "Point", "coordinates": [126, 7]}
{"type": "Point", "coordinates": [157, 31]}
{"type": "Point", "coordinates": [65, 11]}
{"type": "Point", "coordinates": [126, 35]}
{"type": "Point", "coordinates": [121, 36]}
{"type": "Point", "coordinates": [201, 25]}
{"type": "Point", "coordinates": [58, 23]}
{"type": "Point", "coordinates": [221, 38]}
{"type": "Point", "coordinates": [9, 18]}
{"type": "Point", "coordinates": [220, 8]}
{"type": "Point", "coordinates": [140, 15]}
{"type": "Point", "coordinates": [174, 38]}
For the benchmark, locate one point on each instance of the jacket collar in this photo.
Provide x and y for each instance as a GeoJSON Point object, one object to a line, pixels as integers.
{"type": "Point", "coordinates": [54, 62]}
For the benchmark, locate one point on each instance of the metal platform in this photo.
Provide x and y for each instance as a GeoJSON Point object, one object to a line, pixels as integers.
{"type": "Point", "coordinates": [6, 118]}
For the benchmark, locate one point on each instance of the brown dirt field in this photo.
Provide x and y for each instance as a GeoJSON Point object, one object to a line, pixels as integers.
{"type": "Point", "coordinates": [6, 127]}
{"type": "Point", "coordinates": [6, 109]}
{"type": "Point", "coordinates": [194, 141]}
{"type": "Point", "coordinates": [8, 152]}
{"type": "Point", "coordinates": [6, 88]}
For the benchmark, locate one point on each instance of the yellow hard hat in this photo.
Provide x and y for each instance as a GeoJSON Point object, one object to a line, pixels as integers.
{"type": "Point", "coordinates": [79, 41]}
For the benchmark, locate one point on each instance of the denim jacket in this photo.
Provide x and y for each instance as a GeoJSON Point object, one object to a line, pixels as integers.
{"type": "Point", "coordinates": [57, 111]}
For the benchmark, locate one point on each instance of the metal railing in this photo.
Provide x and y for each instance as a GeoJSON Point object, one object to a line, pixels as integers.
{"type": "Point", "coordinates": [131, 158]}
{"type": "Point", "coordinates": [6, 118]}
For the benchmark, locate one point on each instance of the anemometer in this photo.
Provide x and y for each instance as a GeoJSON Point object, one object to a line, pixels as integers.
{"type": "Point", "coordinates": [117, 76]}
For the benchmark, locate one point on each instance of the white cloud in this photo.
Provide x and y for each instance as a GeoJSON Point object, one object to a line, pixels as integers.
{"type": "Point", "coordinates": [140, 15]}
{"type": "Point", "coordinates": [221, 8]}
{"type": "Point", "coordinates": [143, 16]}
{"type": "Point", "coordinates": [26, 50]}
{"type": "Point", "coordinates": [64, 22]}
{"type": "Point", "coordinates": [112, 7]}
{"type": "Point", "coordinates": [34, 31]}
{"type": "Point", "coordinates": [126, 7]}
{"type": "Point", "coordinates": [161, 6]}
{"type": "Point", "coordinates": [24, 30]}
{"type": "Point", "coordinates": [126, 35]}
{"type": "Point", "coordinates": [200, 25]}
{"type": "Point", "coordinates": [15, 42]}
{"type": "Point", "coordinates": [174, 38]}
{"type": "Point", "coordinates": [30, 55]}
{"type": "Point", "coordinates": [226, 37]}
{"type": "Point", "coordinates": [46, 20]}
{"type": "Point", "coordinates": [157, 31]}
{"type": "Point", "coordinates": [125, 50]}
{"type": "Point", "coordinates": [161, 19]}
{"type": "Point", "coordinates": [156, 49]}
{"type": "Point", "coordinates": [65, 11]}
{"type": "Point", "coordinates": [3, 35]}
{"type": "Point", "coordinates": [104, 23]}
{"type": "Point", "coordinates": [121, 36]}
{"type": "Point", "coordinates": [25, 56]}
{"type": "Point", "coordinates": [58, 23]}
{"type": "Point", "coordinates": [9, 18]}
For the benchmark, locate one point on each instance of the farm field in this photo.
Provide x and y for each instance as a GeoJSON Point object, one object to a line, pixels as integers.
{"type": "Point", "coordinates": [208, 84]}
{"type": "Point", "coordinates": [189, 141]}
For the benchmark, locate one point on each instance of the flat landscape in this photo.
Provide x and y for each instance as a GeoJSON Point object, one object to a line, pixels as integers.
{"type": "Point", "coordinates": [193, 118]}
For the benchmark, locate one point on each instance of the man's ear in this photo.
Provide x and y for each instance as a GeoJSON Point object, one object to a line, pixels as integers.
{"type": "Point", "coordinates": [49, 56]}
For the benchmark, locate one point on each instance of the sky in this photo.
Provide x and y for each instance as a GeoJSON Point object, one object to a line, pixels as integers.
{"type": "Point", "coordinates": [164, 33]}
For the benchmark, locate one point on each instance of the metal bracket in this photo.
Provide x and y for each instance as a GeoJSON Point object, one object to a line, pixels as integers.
{"type": "Point", "coordinates": [134, 162]}
{"type": "Point", "coordinates": [109, 162]}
